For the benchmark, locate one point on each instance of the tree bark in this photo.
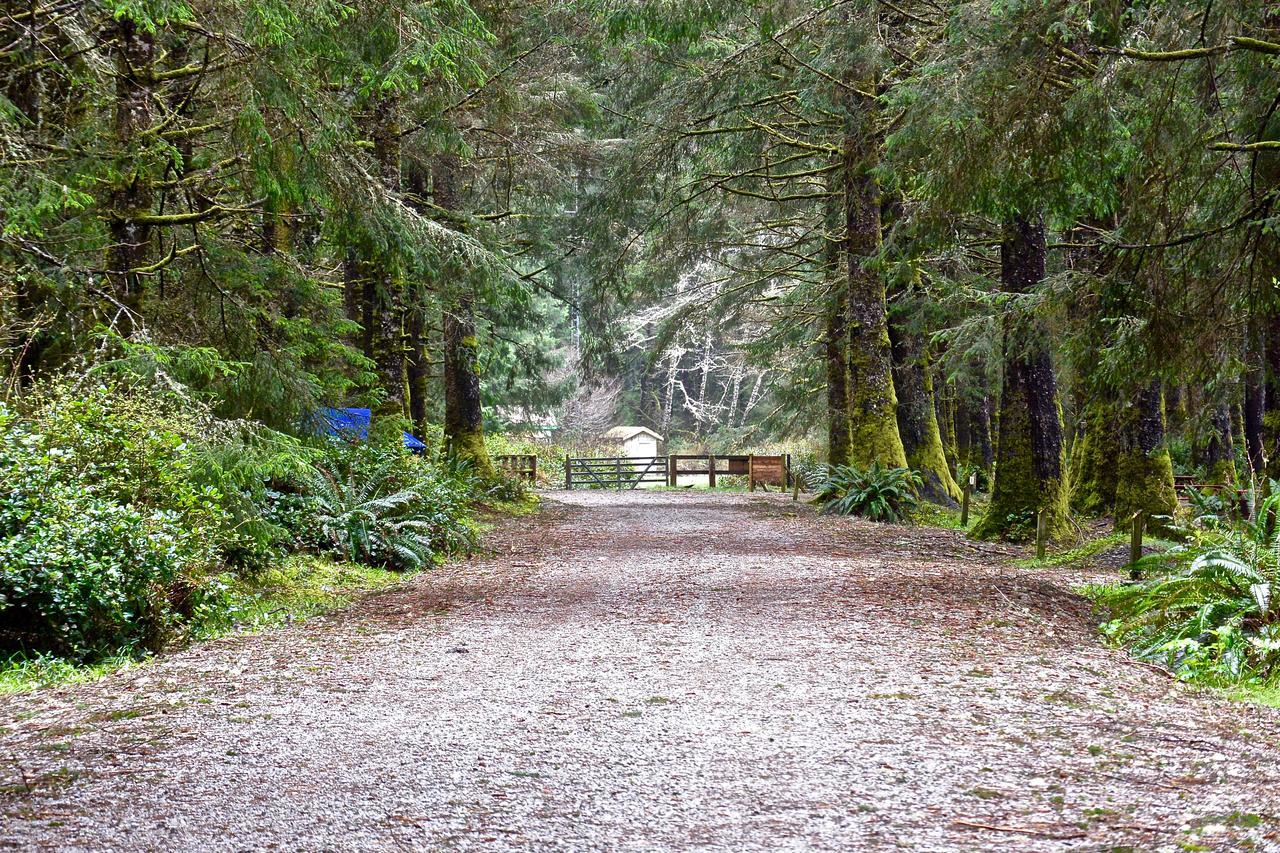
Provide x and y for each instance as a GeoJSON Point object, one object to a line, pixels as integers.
{"type": "Point", "coordinates": [917, 417]}
{"type": "Point", "coordinates": [1029, 467]}
{"type": "Point", "coordinates": [388, 286]}
{"type": "Point", "coordinates": [873, 423]}
{"type": "Point", "coordinates": [131, 198]}
{"type": "Point", "coordinates": [463, 406]}
{"type": "Point", "coordinates": [1144, 472]}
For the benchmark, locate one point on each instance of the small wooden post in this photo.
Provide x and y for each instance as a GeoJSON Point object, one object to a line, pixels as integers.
{"type": "Point", "coordinates": [533, 469]}
{"type": "Point", "coordinates": [711, 471]}
{"type": "Point", "coordinates": [1041, 533]}
{"type": "Point", "coordinates": [1135, 546]}
{"type": "Point", "coordinates": [751, 473]}
{"type": "Point", "coordinates": [671, 471]}
{"type": "Point", "coordinates": [964, 502]}
{"type": "Point", "coordinates": [617, 472]}
{"type": "Point", "coordinates": [568, 474]}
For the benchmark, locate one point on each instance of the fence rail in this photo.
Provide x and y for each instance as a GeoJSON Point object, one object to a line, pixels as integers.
{"type": "Point", "coordinates": [614, 472]}
{"type": "Point", "coordinates": [521, 466]}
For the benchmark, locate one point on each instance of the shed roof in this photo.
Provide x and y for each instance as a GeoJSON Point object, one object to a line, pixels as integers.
{"type": "Point", "coordinates": [624, 433]}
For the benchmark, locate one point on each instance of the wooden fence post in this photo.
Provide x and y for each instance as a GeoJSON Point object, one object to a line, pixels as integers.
{"type": "Point", "coordinates": [617, 473]}
{"type": "Point", "coordinates": [568, 474]}
{"type": "Point", "coordinates": [964, 501]}
{"type": "Point", "coordinates": [671, 471]}
{"type": "Point", "coordinates": [751, 473]}
{"type": "Point", "coordinates": [1135, 546]}
{"type": "Point", "coordinates": [1041, 533]}
{"type": "Point", "coordinates": [711, 472]}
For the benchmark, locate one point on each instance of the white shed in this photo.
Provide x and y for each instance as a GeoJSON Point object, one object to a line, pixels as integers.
{"type": "Point", "coordinates": [637, 442]}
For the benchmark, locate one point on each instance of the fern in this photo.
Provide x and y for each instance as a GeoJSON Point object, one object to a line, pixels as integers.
{"type": "Point", "coordinates": [876, 493]}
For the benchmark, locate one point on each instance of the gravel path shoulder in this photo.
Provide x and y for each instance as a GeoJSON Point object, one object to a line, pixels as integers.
{"type": "Point", "coordinates": [657, 671]}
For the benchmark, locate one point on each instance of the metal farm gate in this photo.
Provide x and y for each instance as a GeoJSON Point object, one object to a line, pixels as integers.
{"type": "Point", "coordinates": [614, 472]}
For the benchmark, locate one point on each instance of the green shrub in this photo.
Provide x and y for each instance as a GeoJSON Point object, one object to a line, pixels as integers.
{"type": "Point", "coordinates": [1208, 607]}
{"type": "Point", "coordinates": [106, 535]}
{"type": "Point", "coordinates": [876, 493]}
{"type": "Point", "coordinates": [382, 507]}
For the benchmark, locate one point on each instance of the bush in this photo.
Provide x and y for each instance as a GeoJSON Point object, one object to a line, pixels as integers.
{"type": "Point", "coordinates": [875, 493]}
{"type": "Point", "coordinates": [382, 507]}
{"type": "Point", "coordinates": [1209, 608]}
{"type": "Point", "coordinates": [106, 534]}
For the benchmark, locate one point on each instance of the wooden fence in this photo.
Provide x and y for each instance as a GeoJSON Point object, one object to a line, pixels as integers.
{"type": "Point", "coordinates": [520, 466]}
{"type": "Point", "coordinates": [614, 472]}
{"type": "Point", "coordinates": [759, 470]}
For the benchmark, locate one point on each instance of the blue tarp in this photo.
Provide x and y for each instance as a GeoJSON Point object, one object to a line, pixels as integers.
{"type": "Point", "coordinates": [353, 425]}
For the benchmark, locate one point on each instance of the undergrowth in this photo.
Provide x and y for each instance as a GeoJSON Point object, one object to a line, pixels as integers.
{"type": "Point", "coordinates": [1206, 608]}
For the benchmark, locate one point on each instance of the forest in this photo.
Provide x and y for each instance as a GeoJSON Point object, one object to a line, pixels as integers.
{"type": "Point", "coordinates": [1024, 244]}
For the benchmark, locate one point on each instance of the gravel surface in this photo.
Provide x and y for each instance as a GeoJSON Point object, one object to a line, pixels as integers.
{"type": "Point", "coordinates": [651, 671]}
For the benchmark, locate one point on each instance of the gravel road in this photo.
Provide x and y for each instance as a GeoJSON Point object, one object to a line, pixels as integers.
{"type": "Point", "coordinates": [657, 670]}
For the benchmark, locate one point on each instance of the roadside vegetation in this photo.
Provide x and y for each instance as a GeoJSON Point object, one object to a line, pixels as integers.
{"type": "Point", "coordinates": [134, 519]}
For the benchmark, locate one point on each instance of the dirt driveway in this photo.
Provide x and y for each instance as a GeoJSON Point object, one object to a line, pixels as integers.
{"type": "Point", "coordinates": [657, 671]}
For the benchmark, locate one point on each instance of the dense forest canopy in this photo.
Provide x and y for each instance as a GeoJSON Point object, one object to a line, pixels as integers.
{"type": "Point", "coordinates": [1028, 238]}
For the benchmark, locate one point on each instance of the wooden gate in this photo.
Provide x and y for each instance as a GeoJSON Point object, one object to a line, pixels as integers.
{"type": "Point", "coordinates": [614, 472]}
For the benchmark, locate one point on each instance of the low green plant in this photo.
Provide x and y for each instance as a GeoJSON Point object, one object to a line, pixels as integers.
{"type": "Point", "coordinates": [1209, 607]}
{"type": "Point", "coordinates": [875, 493]}
{"type": "Point", "coordinates": [384, 508]}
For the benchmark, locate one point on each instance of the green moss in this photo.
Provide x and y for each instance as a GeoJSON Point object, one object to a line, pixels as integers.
{"type": "Point", "coordinates": [1145, 484]}
{"type": "Point", "coordinates": [1222, 472]}
{"type": "Point", "coordinates": [1094, 472]}
{"type": "Point", "coordinates": [1018, 493]}
{"type": "Point", "coordinates": [873, 407]}
{"type": "Point", "coordinates": [468, 445]}
{"type": "Point", "coordinates": [930, 458]}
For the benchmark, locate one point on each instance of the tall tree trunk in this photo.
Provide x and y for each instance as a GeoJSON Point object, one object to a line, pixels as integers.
{"type": "Point", "coordinates": [835, 339]}
{"type": "Point", "coordinates": [1029, 475]}
{"type": "Point", "coordinates": [26, 92]}
{"type": "Point", "coordinates": [873, 422]}
{"type": "Point", "coordinates": [1214, 447]}
{"type": "Point", "coordinates": [835, 342]}
{"type": "Point", "coordinates": [1255, 403]}
{"type": "Point", "coordinates": [1094, 454]}
{"type": "Point", "coordinates": [389, 344]}
{"type": "Point", "coordinates": [417, 366]}
{"type": "Point", "coordinates": [1144, 472]}
{"type": "Point", "coordinates": [131, 198]}
{"type": "Point", "coordinates": [917, 417]}
{"type": "Point", "coordinates": [463, 407]}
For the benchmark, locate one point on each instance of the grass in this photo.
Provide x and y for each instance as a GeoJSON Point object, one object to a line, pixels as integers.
{"type": "Point", "coordinates": [301, 587]}
{"type": "Point", "coordinates": [24, 673]}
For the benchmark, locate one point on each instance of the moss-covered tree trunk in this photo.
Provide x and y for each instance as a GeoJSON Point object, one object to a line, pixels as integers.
{"type": "Point", "coordinates": [873, 405]}
{"type": "Point", "coordinates": [463, 411]}
{"type": "Point", "coordinates": [1213, 450]}
{"type": "Point", "coordinates": [917, 417]}
{"type": "Point", "coordinates": [131, 197]}
{"type": "Point", "coordinates": [1255, 402]}
{"type": "Point", "coordinates": [1271, 393]}
{"type": "Point", "coordinates": [1093, 458]}
{"type": "Point", "coordinates": [835, 341]}
{"type": "Point", "coordinates": [1030, 473]}
{"type": "Point", "coordinates": [1144, 472]}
